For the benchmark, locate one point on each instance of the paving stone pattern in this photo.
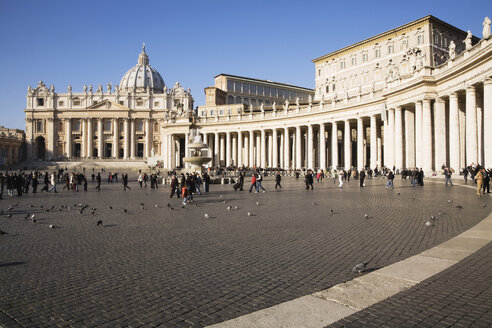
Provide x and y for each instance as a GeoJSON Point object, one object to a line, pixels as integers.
{"type": "Point", "coordinates": [157, 267]}
{"type": "Point", "coordinates": [460, 296]}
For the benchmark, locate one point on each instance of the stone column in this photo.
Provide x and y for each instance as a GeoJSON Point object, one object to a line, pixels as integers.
{"type": "Point", "coordinates": [258, 150]}
{"type": "Point", "coordinates": [216, 150]}
{"type": "Point", "coordinates": [374, 143]}
{"type": "Point", "coordinates": [409, 139]}
{"type": "Point", "coordinates": [246, 158]}
{"type": "Point", "coordinates": [263, 162]}
{"type": "Point", "coordinates": [418, 134]}
{"type": "Point", "coordinates": [187, 150]}
{"type": "Point", "coordinates": [471, 126]}
{"type": "Point", "coordinates": [487, 122]}
{"type": "Point", "coordinates": [322, 146]}
{"type": "Point", "coordinates": [310, 144]}
{"type": "Point", "coordinates": [126, 139]}
{"type": "Point", "coordinates": [116, 137]}
{"type": "Point", "coordinates": [132, 139]}
{"type": "Point", "coordinates": [100, 143]}
{"type": "Point", "coordinates": [391, 139]}
{"type": "Point", "coordinates": [440, 133]}
{"type": "Point", "coordinates": [398, 138]}
{"type": "Point", "coordinates": [251, 148]}
{"type": "Point", "coordinates": [240, 161]}
{"type": "Point", "coordinates": [454, 132]}
{"type": "Point", "coordinates": [227, 152]}
{"type": "Point", "coordinates": [360, 144]}
{"type": "Point", "coordinates": [222, 150]}
{"type": "Point", "coordinates": [347, 141]}
{"type": "Point", "coordinates": [89, 138]}
{"type": "Point", "coordinates": [281, 148]}
{"type": "Point", "coordinates": [286, 148]}
{"type": "Point", "coordinates": [298, 147]}
{"type": "Point", "coordinates": [334, 146]}
{"type": "Point", "coordinates": [427, 135]}
{"type": "Point", "coordinates": [234, 150]}
{"type": "Point", "coordinates": [68, 131]}
{"type": "Point", "coordinates": [50, 142]}
{"type": "Point", "coordinates": [269, 149]}
{"type": "Point", "coordinates": [275, 148]}
{"type": "Point", "coordinates": [148, 140]}
{"type": "Point", "coordinates": [83, 147]}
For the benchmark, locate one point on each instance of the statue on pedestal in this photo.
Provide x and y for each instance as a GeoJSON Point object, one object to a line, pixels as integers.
{"type": "Point", "coordinates": [486, 28]}
{"type": "Point", "coordinates": [452, 50]}
{"type": "Point", "coordinates": [468, 41]}
{"type": "Point", "coordinates": [69, 88]}
{"type": "Point", "coordinates": [85, 88]}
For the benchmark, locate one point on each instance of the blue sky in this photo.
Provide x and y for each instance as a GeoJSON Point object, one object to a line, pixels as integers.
{"type": "Point", "coordinates": [95, 42]}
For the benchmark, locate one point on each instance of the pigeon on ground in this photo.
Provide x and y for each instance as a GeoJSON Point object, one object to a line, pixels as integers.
{"type": "Point", "coordinates": [27, 216]}
{"type": "Point", "coordinates": [459, 207]}
{"type": "Point", "coordinates": [249, 213]}
{"type": "Point", "coordinates": [124, 210]}
{"type": "Point", "coordinates": [69, 208]}
{"type": "Point", "coordinates": [221, 196]}
{"type": "Point", "coordinates": [33, 220]}
{"type": "Point", "coordinates": [31, 205]}
{"type": "Point", "coordinates": [142, 204]}
{"type": "Point", "coordinates": [433, 217]}
{"type": "Point", "coordinates": [360, 267]}
{"type": "Point", "coordinates": [228, 208]}
{"type": "Point", "coordinates": [206, 216]}
{"type": "Point", "coordinates": [9, 216]}
{"type": "Point", "coordinates": [3, 232]}
{"type": "Point", "coordinates": [235, 207]}
{"type": "Point", "coordinates": [331, 211]}
{"type": "Point", "coordinates": [100, 223]}
{"type": "Point", "coordinates": [169, 205]}
{"type": "Point", "coordinates": [33, 216]}
{"type": "Point", "coordinates": [366, 216]}
{"type": "Point", "coordinates": [156, 205]}
{"type": "Point", "coordinates": [429, 224]}
{"type": "Point", "coordinates": [142, 208]}
{"type": "Point", "coordinates": [484, 205]}
{"type": "Point", "coordinates": [314, 204]}
{"type": "Point", "coordinates": [440, 213]}
{"type": "Point", "coordinates": [449, 200]}
{"type": "Point", "coordinates": [110, 207]}
{"type": "Point", "coordinates": [51, 226]}
{"type": "Point", "coordinates": [258, 203]}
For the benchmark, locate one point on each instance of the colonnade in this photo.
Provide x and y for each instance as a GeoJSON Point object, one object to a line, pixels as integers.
{"type": "Point", "coordinates": [93, 138]}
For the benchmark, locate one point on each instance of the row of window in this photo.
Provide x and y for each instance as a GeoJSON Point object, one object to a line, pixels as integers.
{"type": "Point", "coordinates": [107, 126]}
{"type": "Point", "coordinates": [260, 90]}
{"type": "Point", "coordinates": [390, 49]}
{"type": "Point", "coordinates": [221, 112]}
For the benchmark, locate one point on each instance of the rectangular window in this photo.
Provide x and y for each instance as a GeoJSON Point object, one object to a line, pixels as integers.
{"type": "Point", "coordinates": [354, 61]}
{"type": "Point", "coordinates": [333, 87]}
{"type": "Point", "coordinates": [404, 45]}
{"type": "Point", "coordinates": [420, 39]}
{"type": "Point", "coordinates": [342, 64]}
{"type": "Point", "coordinates": [140, 102]}
{"type": "Point", "coordinates": [364, 58]}
{"type": "Point", "coordinates": [390, 49]}
{"type": "Point", "coordinates": [377, 53]}
{"type": "Point", "coordinates": [61, 103]}
{"type": "Point", "coordinates": [245, 88]}
{"type": "Point", "coordinates": [76, 102]}
{"type": "Point", "coordinates": [121, 102]}
{"type": "Point", "coordinates": [107, 125]}
{"type": "Point", "coordinates": [221, 112]}
{"type": "Point", "coordinates": [40, 102]}
{"type": "Point", "coordinates": [140, 126]}
{"type": "Point", "coordinates": [204, 113]}
{"type": "Point", "coordinates": [252, 89]}
{"type": "Point", "coordinates": [238, 87]}
{"type": "Point", "coordinates": [39, 126]}
{"type": "Point", "coordinates": [121, 126]}
{"type": "Point", "coordinates": [76, 126]}
{"type": "Point", "coordinates": [156, 104]}
{"type": "Point", "coordinates": [212, 112]}
{"type": "Point", "coordinates": [230, 85]}
{"type": "Point", "coordinates": [260, 90]}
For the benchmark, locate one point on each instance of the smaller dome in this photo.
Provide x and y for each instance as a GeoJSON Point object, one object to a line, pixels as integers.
{"type": "Point", "coordinates": [142, 76]}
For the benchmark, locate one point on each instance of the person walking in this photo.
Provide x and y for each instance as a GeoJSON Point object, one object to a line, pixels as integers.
{"type": "Point", "coordinates": [53, 183]}
{"type": "Point", "coordinates": [124, 177]}
{"type": "Point", "coordinates": [309, 179]}
{"type": "Point", "coordinates": [486, 180]}
{"type": "Point", "coordinates": [447, 175]}
{"type": "Point", "coordinates": [35, 182]}
{"type": "Point", "coordinates": [98, 180]}
{"type": "Point", "coordinates": [362, 176]}
{"type": "Point", "coordinates": [340, 178]}
{"type": "Point", "coordinates": [140, 180]}
{"type": "Point", "coordinates": [259, 180]}
{"type": "Point", "coordinates": [206, 181]}
{"type": "Point", "coordinates": [390, 177]}
{"type": "Point", "coordinates": [278, 178]}
{"type": "Point", "coordinates": [174, 187]}
{"type": "Point", "coordinates": [241, 180]}
{"type": "Point", "coordinates": [479, 178]}
{"type": "Point", "coordinates": [253, 182]}
{"type": "Point", "coordinates": [46, 182]}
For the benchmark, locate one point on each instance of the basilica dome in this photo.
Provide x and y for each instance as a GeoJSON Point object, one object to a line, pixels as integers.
{"type": "Point", "coordinates": [142, 77]}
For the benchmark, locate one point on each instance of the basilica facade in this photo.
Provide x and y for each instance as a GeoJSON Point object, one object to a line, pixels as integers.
{"type": "Point", "coordinates": [112, 123]}
{"type": "Point", "coordinates": [419, 95]}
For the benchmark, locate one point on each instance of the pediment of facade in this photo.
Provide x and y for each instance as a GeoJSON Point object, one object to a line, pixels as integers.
{"type": "Point", "coordinates": [107, 105]}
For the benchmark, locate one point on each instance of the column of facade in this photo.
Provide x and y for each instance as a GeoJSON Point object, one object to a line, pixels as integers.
{"type": "Point", "coordinates": [487, 122]}
{"type": "Point", "coordinates": [269, 149]}
{"type": "Point", "coordinates": [427, 135]}
{"type": "Point", "coordinates": [216, 149]}
{"type": "Point", "coordinates": [187, 151]}
{"type": "Point", "coordinates": [310, 144]}
{"type": "Point", "coordinates": [246, 158]}
{"type": "Point", "coordinates": [132, 140]}
{"type": "Point", "coordinates": [280, 149]}
{"type": "Point", "coordinates": [322, 146]}
{"type": "Point", "coordinates": [222, 151]}
{"type": "Point", "coordinates": [398, 138]}
{"type": "Point", "coordinates": [440, 132]}
{"type": "Point", "coordinates": [471, 126]}
{"type": "Point", "coordinates": [258, 150]}
{"type": "Point", "coordinates": [418, 134]}
{"type": "Point", "coordinates": [374, 143]}
{"type": "Point", "coordinates": [409, 139]}
{"type": "Point", "coordinates": [83, 147]}
{"type": "Point", "coordinates": [100, 144]}
{"type": "Point", "coordinates": [234, 149]}
{"type": "Point", "coordinates": [275, 148]}
{"type": "Point", "coordinates": [116, 137]}
{"type": "Point", "coordinates": [240, 161]}
{"type": "Point", "coordinates": [251, 148]}
{"type": "Point", "coordinates": [68, 131]}
{"type": "Point", "coordinates": [286, 148]}
{"type": "Point", "coordinates": [454, 132]}
{"type": "Point", "coordinates": [347, 141]}
{"type": "Point", "coordinates": [391, 138]}
{"type": "Point", "coordinates": [227, 152]}
{"type": "Point", "coordinates": [334, 146]}
{"type": "Point", "coordinates": [126, 139]}
{"type": "Point", "coordinates": [89, 137]}
{"type": "Point", "coordinates": [263, 162]}
{"type": "Point", "coordinates": [147, 138]}
{"type": "Point", "coordinates": [298, 147]}
{"type": "Point", "coordinates": [360, 144]}
{"type": "Point", "coordinates": [50, 142]}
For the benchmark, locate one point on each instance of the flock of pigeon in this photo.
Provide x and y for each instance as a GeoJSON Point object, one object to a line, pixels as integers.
{"type": "Point", "coordinates": [84, 208]}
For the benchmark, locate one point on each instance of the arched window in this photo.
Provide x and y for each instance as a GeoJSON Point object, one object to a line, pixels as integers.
{"type": "Point", "coordinates": [239, 100]}
{"type": "Point", "coordinates": [230, 100]}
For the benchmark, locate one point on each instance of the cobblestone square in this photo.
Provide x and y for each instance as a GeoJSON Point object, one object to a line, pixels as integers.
{"type": "Point", "coordinates": [153, 266]}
